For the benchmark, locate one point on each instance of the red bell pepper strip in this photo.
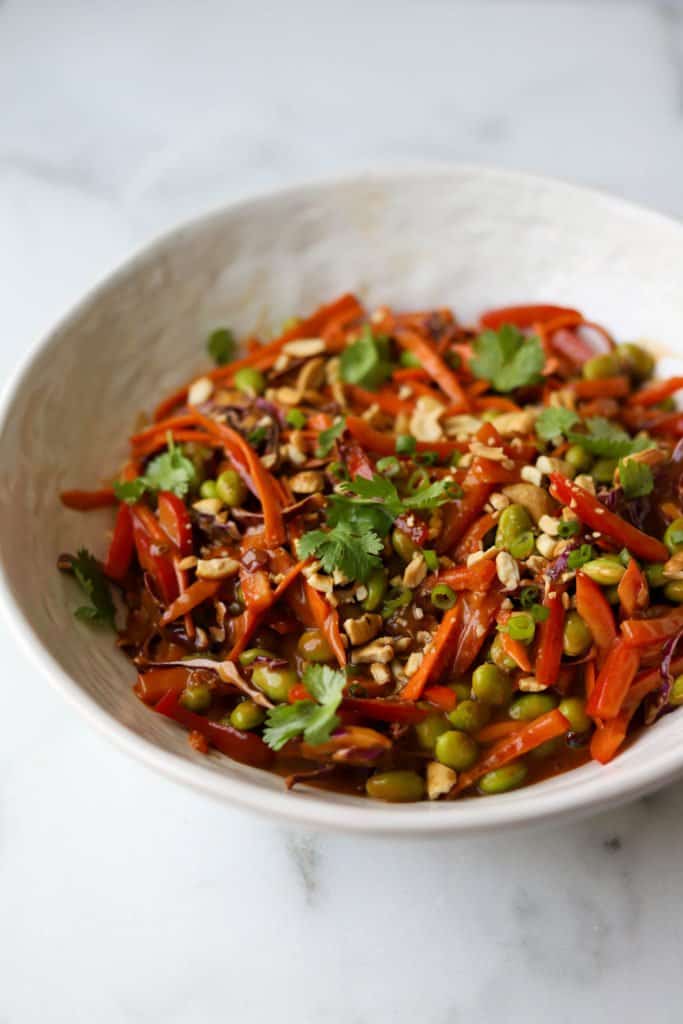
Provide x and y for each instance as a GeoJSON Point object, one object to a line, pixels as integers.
{"type": "Point", "coordinates": [245, 747]}
{"type": "Point", "coordinates": [175, 522]}
{"type": "Point", "coordinates": [525, 316]}
{"type": "Point", "coordinates": [150, 541]}
{"type": "Point", "coordinates": [609, 735]}
{"type": "Point", "coordinates": [655, 393]}
{"type": "Point", "coordinates": [441, 697]}
{"type": "Point", "coordinates": [526, 738]}
{"type": "Point", "coordinates": [355, 459]}
{"type": "Point", "coordinates": [611, 686]}
{"type": "Point", "coordinates": [120, 553]}
{"type": "Point", "coordinates": [84, 501]}
{"type": "Point", "coordinates": [633, 590]}
{"type": "Point", "coordinates": [385, 399]}
{"type": "Point", "coordinates": [157, 682]}
{"type": "Point", "coordinates": [549, 653]}
{"type": "Point", "coordinates": [259, 599]}
{"type": "Point", "coordinates": [480, 611]}
{"type": "Point", "coordinates": [595, 610]}
{"type": "Point", "coordinates": [381, 710]}
{"type": "Point", "coordinates": [593, 513]}
{"type": "Point", "coordinates": [438, 370]}
{"type": "Point", "coordinates": [474, 536]}
{"type": "Point", "coordinates": [436, 653]}
{"type": "Point", "coordinates": [196, 594]}
{"type": "Point", "coordinates": [459, 515]}
{"type": "Point", "coordinates": [641, 632]}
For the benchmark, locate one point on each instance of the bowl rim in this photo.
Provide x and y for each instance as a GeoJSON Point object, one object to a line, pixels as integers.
{"type": "Point", "coordinates": [311, 808]}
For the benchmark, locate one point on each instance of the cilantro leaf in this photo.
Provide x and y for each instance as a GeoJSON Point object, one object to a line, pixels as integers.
{"type": "Point", "coordinates": [553, 422]}
{"type": "Point", "coordinates": [606, 440]}
{"type": "Point", "coordinates": [380, 489]}
{"type": "Point", "coordinates": [170, 471]}
{"type": "Point", "coordinates": [326, 438]}
{"type": "Point", "coordinates": [315, 719]}
{"type": "Point", "coordinates": [221, 345]}
{"type": "Point", "coordinates": [345, 547]}
{"type": "Point", "coordinates": [507, 358]}
{"type": "Point", "coordinates": [92, 581]}
{"type": "Point", "coordinates": [130, 491]}
{"type": "Point", "coordinates": [635, 478]}
{"type": "Point", "coordinates": [366, 361]}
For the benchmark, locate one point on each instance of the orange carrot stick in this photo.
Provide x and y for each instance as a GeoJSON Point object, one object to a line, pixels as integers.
{"type": "Point", "coordinates": [612, 684]}
{"type": "Point", "coordinates": [526, 738]}
{"type": "Point", "coordinates": [436, 653]}
{"type": "Point", "coordinates": [655, 393]}
{"type": "Point", "coordinates": [196, 594]}
{"type": "Point", "coordinates": [437, 369]}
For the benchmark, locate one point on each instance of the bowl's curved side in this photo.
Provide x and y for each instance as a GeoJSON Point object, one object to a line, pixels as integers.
{"type": "Point", "coordinates": [462, 236]}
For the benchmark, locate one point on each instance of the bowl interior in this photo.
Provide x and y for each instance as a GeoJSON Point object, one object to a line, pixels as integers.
{"type": "Point", "coordinates": [465, 237]}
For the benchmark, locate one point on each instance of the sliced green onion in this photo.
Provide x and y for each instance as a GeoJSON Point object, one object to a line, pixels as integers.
{"type": "Point", "coordinates": [529, 596]}
{"type": "Point", "coordinates": [296, 418]}
{"type": "Point", "coordinates": [579, 557]}
{"type": "Point", "coordinates": [443, 597]}
{"type": "Point", "coordinates": [400, 599]}
{"type": "Point", "coordinates": [431, 558]}
{"type": "Point", "coordinates": [389, 465]}
{"type": "Point", "coordinates": [405, 444]}
{"type": "Point", "coordinates": [568, 528]}
{"type": "Point", "coordinates": [540, 612]}
{"type": "Point", "coordinates": [521, 626]}
{"type": "Point", "coordinates": [417, 481]}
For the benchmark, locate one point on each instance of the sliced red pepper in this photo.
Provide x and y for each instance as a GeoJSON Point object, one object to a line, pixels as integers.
{"type": "Point", "coordinates": [550, 632]}
{"type": "Point", "coordinates": [655, 393]}
{"type": "Point", "coordinates": [633, 591]}
{"type": "Point", "coordinates": [355, 459]}
{"type": "Point", "coordinates": [609, 387]}
{"type": "Point", "coordinates": [245, 747]}
{"type": "Point", "coordinates": [480, 612]}
{"type": "Point", "coordinates": [385, 710]}
{"type": "Point", "coordinates": [441, 697]}
{"type": "Point", "coordinates": [479, 576]}
{"type": "Point", "coordinates": [459, 515]}
{"type": "Point", "coordinates": [175, 521]}
{"type": "Point", "coordinates": [641, 632]}
{"type": "Point", "coordinates": [381, 443]}
{"type": "Point", "coordinates": [157, 682]}
{"type": "Point", "coordinates": [526, 738]}
{"type": "Point", "coordinates": [611, 686]}
{"type": "Point", "coordinates": [525, 316]}
{"type": "Point", "coordinates": [120, 553]}
{"type": "Point", "coordinates": [593, 513]}
{"type": "Point", "coordinates": [150, 553]}
{"type": "Point", "coordinates": [595, 610]}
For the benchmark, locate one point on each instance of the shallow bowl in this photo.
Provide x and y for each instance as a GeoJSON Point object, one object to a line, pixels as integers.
{"type": "Point", "coordinates": [462, 236]}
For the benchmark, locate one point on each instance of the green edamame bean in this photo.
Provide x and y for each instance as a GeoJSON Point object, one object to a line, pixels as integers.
{"type": "Point", "coordinates": [514, 522]}
{"type": "Point", "coordinates": [231, 488]}
{"type": "Point", "coordinates": [208, 489]}
{"type": "Point", "coordinates": [603, 470]}
{"type": "Point", "coordinates": [605, 571]}
{"type": "Point", "coordinates": [196, 698]}
{"type": "Point", "coordinates": [574, 710]}
{"type": "Point", "coordinates": [576, 636]}
{"type": "Point", "coordinates": [470, 716]}
{"type": "Point", "coordinates": [636, 360]}
{"type": "Point", "coordinates": [403, 545]}
{"type": "Point", "coordinates": [531, 705]}
{"type": "Point", "coordinates": [429, 730]}
{"type": "Point", "coordinates": [250, 380]}
{"type": "Point", "coordinates": [395, 787]}
{"type": "Point", "coordinates": [313, 646]}
{"type": "Point", "coordinates": [676, 695]}
{"type": "Point", "coordinates": [673, 591]}
{"type": "Point", "coordinates": [491, 685]}
{"type": "Point", "coordinates": [249, 656]}
{"type": "Point", "coordinates": [654, 574]}
{"type": "Point", "coordinates": [247, 715]}
{"type": "Point", "coordinates": [601, 367]}
{"type": "Point", "coordinates": [578, 458]}
{"type": "Point", "coordinates": [673, 536]}
{"type": "Point", "coordinates": [409, 359]}
{"type": "Point", "coordinates": [503, 779]}
{"type": "Point", "coordinates": [274, 682]}
{"type": "Point", "coordinates": [456, 750]}
{"type": "Point", "coordinates": [461, 690]}
{"type": "Point", "coordinates": [376, 586]}
{"type": "Point", "coordinates": [498, 656]}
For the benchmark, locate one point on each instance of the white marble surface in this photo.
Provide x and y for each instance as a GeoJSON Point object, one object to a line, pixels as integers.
{"type": "Point", "coordinates": [122, 897]}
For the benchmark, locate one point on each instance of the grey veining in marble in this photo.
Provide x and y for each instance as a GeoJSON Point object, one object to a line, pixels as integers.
{"type": "Point", "coordinates": [122, 897]}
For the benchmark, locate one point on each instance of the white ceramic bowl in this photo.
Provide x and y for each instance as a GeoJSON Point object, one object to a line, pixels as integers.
{"type": "Point", "coordinates": [466, 237]}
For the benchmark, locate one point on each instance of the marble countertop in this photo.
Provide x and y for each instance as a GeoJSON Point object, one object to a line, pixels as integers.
{"type": "Point", "coordinates": [124, 898]}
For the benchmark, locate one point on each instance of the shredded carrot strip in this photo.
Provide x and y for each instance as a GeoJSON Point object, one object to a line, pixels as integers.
{"type": "Point", "coordinates": [437, 369]}
{"type": "Point", "coordinates": [436, 654]}
{"type": "Point", "coordinates": [195, 594]}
